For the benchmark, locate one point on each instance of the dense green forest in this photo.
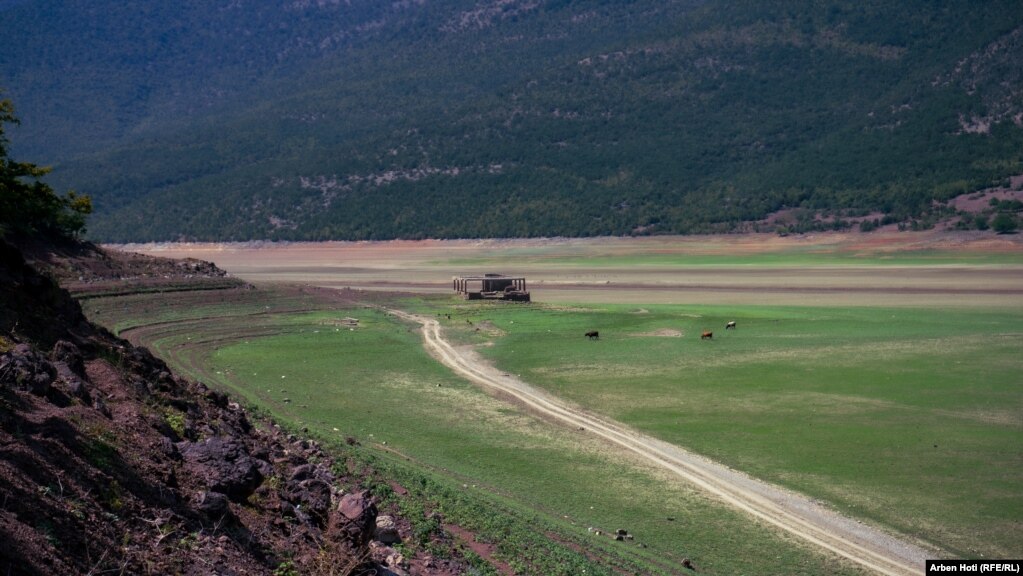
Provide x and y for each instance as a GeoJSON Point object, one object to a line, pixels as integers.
{"type": "Point", "coordinates": [299, 119]}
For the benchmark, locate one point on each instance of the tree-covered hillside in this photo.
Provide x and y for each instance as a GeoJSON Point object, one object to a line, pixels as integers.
{"type": "Point", "coordinates": [300, 119]}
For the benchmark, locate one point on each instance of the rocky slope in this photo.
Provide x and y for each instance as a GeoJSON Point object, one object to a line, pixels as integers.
{"type": "Point", "coordinates": [110, 463]}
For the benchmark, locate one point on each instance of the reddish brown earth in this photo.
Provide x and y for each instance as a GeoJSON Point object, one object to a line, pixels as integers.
{"type": "Point", "coordinates": [484, 550]}
{"type": "Point", "coordinates": [979, 201]}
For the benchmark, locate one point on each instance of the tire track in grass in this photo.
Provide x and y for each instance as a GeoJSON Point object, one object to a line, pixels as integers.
{"type": "Point", "coordinates": [794, 513]}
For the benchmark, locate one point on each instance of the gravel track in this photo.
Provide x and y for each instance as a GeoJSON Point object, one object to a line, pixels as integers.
{"type": "Point", "coordinates": [796, 514]}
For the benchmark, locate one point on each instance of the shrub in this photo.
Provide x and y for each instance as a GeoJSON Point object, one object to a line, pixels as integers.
{"type": "Point", "coordinates": [1004, 223]}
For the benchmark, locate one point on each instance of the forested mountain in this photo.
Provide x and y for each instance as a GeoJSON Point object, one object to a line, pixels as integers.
{"type": "Point", "coordinates": [359, 119]}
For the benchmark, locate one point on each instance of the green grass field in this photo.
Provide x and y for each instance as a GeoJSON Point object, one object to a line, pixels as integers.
{"type": "Point", "coordinates": [906, 417]}
{"type": "Point", "coordinates": [909, 417]}
{"type": "Point", "coordinates": [376, 383]}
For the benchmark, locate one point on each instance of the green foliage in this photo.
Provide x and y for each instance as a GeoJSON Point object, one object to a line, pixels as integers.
{"type": "Point", "coordinates": [101, 454]}
{"type": "Point", "coordinates": [27, 204]}
{"type": "Point", "coordinates": [176, 421]}
{"type": "Point", "coordinates": [373, 120]}
{"type": "Point", "coordinates": [286, 568]}
{"type": "Point", "coordinates": [1004, 223]}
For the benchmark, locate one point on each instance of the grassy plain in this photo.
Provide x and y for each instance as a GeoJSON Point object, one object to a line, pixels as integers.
{"type": "Point", "coordinates": [909, 417]}
{"type": "Point", "coordinates": [880, 374]}
{"type": "Point", "coordinates": [375, 382]}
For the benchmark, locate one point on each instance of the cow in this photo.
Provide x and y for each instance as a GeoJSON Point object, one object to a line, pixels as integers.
{"type": "Point", "coordinates": [707, 336]}
{"type": "Point", "coordinates": [592, 335]}
{"type": "Point", "coordinates": [730, 325]}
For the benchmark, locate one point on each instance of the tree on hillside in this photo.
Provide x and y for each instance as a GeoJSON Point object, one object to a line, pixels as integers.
{"type": "Point", "coordinates": [1004, 223]}
{"type": "Point", "coordinates": [28, 205]}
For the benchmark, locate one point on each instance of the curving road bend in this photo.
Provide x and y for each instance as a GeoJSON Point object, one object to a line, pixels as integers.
{"type": "Point", "coordinates": [787, 510]}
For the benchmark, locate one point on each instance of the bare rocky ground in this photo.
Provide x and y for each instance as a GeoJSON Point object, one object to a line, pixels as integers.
{"type": "Point", "coordinates": [112, 464]}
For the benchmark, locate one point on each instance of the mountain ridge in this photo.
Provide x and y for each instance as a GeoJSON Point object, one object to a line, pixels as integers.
{"type": "Point", "coordinates": [538, 118]}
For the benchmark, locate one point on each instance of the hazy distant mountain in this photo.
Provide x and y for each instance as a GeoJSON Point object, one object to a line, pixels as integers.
{"type": "Point", "coordinates": [315, 119]}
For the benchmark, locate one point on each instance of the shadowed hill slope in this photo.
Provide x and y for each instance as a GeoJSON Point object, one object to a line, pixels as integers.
{"type": "Point", "coordinates": [457, 118]}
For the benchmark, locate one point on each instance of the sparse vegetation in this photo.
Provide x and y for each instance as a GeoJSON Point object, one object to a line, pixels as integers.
{"type": "Point", "coordinates": [176, 421]}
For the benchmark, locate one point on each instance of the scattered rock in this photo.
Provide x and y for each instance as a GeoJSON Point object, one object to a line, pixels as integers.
{"type": "Point", "coordinates": [100, 406]}
{"type": "Point", "coordinates": [355, 524]}
{"type": "Point", "coordinates": [313, 495]}
{"type": "Point", "coordinates": [77, 388]}
{"type": "Point", "coordinates": [69, 354]}
{"type": "Point", "coordinates": [387, 530]}
{"type": "Point", "coordinates": [24, 369]}
{"type": "Point", "coordinates": [224, 464]}
{"type": "Point", "coordinates": [212, 503]}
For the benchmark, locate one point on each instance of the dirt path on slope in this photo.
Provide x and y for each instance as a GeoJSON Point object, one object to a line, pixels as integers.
{"type": "Point", "coordinates": [792, 512]}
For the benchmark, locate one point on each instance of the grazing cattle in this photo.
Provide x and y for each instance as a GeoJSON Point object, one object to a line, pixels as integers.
{"type": "Point", "coordinates": [707, 336]}
{"type": "Point", "coordinates": [592, 335]}
{"type": "Point", "coordinates": [730, 325]}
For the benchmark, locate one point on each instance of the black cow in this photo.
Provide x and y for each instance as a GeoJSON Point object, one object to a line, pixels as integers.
{"type": "Point", "coordinates": [592, 335]}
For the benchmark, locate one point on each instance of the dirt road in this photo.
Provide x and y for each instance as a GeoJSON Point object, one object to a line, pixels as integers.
{"type": "Point", "coordinates": [794, 513]}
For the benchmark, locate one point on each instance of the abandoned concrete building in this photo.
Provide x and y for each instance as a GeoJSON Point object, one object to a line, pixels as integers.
{"type": "Point", "coordinates": [492, 286]}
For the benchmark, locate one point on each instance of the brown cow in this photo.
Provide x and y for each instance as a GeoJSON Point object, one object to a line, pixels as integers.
{"type": "Point", "coordinates": [592, 335]}
{"type": "Point", "coordinates": [707, 336]}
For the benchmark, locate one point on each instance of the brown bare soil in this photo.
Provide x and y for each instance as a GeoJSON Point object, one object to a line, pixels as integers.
{"type": "Point", "coordinates": [979, 201]}
{"type": "Point", "coordinates": [428, 266]}
{"type": "Point", "coordinates": [484, 550]}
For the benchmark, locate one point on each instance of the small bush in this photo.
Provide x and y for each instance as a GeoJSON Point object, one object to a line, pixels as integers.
{"type": "Point", "coordinates": [1004, 223]}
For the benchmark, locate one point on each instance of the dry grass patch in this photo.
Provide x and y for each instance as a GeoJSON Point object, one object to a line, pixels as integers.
{"type": "Point", "coordinates": [662, 333]}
